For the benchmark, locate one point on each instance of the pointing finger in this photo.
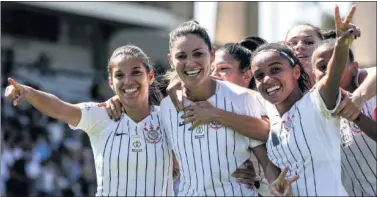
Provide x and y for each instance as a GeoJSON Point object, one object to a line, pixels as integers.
{"type": "Point", "coordinates": [14, 83]}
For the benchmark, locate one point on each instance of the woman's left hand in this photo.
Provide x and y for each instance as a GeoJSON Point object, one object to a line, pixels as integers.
{"type": "Point", "coordinates": [201, 112]}
{"type": "Point", "coordinates": [347, 108]}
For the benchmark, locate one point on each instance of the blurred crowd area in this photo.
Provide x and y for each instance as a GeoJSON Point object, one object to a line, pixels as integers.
{"type": "Point", "coordinates": [41, 156]}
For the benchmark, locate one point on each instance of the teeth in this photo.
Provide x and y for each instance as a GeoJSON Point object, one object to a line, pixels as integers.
{"type": "Point", "coordinates": [192, 72]}
{"type": "Point", "coordinates": [130, 90]}
{"type": "Point", "coordinates": [273, 88]}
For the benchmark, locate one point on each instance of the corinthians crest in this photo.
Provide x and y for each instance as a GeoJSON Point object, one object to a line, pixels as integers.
{"type": "Point", "coordinates": [215, 125]}
{"type": "Point", "coordinates": [153, 133]}
{"type": "Point", "coordinates": [288, 123]}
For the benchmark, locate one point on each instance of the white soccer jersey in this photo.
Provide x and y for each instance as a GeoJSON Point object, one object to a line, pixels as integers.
{"type": "Point", "coordinates": [359, 157]}
{"type": "Point", "coordinates": [210, 154]}
{"type": "Point", "coordinates": [131, 159]}
{"type": "Point", "coordinates": [307, 140]}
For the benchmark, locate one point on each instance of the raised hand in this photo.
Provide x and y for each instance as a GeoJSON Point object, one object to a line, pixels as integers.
{"type": "Point", "coordinates": [16, 91]}
{"type": "Point", "coordinates": [342, 27]}
{"type": "Point", "coordinates": [282, 186]}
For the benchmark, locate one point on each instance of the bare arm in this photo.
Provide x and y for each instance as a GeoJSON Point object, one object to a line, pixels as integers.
{"type": "Point", "coordinates": [328, 86]}
{"type": "Point", "coordinates": [367, 89]}
{"type": "Point", "coordinates": [176, 172]}
{"type": "Point", "coordinates": [203, 113]}
{"type": "Point", "coordinates": [367, 125]}
{"type": "Point", "coordinates": [252, 127]}
{"type": "Point", "coordinates": [271, 172]}
{"type": "Point", "coordinates": [46, 103]}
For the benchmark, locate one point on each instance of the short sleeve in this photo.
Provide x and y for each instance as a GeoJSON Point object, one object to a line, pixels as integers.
{"type": "Point", "coordinates": [320, 104]}
{"type": "Point", "coordinates": [93, 120]}
{"type": "Point", "coordinates": [252, 107]}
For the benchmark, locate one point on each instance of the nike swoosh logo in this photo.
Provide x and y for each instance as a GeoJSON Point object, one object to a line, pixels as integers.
{"type": "Point", "coordinates": [119, 134]}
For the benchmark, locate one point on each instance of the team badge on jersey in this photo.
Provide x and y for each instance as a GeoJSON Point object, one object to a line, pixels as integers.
{"type": "Point", "coordinates": [355, 129]}
{"type": "Point", "coordinates": [199, 132]}
{"type": "Point", "coordinates": [215, 125]}
{"type": "Point", "coordinates": [136, 143]}
{"type": "Point", "coordinates": [153, 134]}
{"type": "Point", "coordinates": [288, 122]}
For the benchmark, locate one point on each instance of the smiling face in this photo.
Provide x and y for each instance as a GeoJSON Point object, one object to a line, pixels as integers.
{"type": "Point", "coordinates": [130, 80]}
{"type": "Point", "coordinates": [191, 58]}
{"type": "Point", "coordinates": [275, 78]}
{"type": "Point", "coordinates": [303, 40]}
{"type": "Point", "coordinates": [321, 58]}
{"type": "Point", "coordinates": [227, 68]}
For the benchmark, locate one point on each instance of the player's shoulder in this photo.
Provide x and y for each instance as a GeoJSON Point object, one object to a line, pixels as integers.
{"type": "Point", "coordinates": [232, 89]}
{"type": "Point", "coordinates": [166, 106]}
{"type": "Point", "coordinates": [165, 103]}
{"type": "Point", "coordinates": [90, 106]}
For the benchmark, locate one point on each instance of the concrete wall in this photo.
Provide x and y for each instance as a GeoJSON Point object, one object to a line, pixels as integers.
{"type": "Point", "coordinates": [236, 20]}
{"type": "Point", "coordinates": [365, 46]}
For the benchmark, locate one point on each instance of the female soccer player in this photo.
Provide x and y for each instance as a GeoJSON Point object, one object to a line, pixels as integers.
{"type": "Point", "coordinates": [304, 136]}
{"type": "Point", "coordinates": [133, 155]}
{"type": "Point", "coordinates": [303, 40]}
{"type": "Point", "coordinates": [232, 63]}
{"type": "Point", "coordinates": [208, 154]}
{"type": "Point", "coordinates": [359, 149]}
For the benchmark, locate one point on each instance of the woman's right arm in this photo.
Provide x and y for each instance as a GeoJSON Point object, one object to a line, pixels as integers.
{"type": "Point", "coordinates": [46, 103]}
{"type": "Point", "coordinates": [328, 86]}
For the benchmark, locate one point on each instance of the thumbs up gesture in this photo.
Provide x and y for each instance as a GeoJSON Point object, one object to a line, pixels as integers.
{"type": "Point", "coordinates": [282, 186]}
{"type": "Point", "coordinates": [16, 91]}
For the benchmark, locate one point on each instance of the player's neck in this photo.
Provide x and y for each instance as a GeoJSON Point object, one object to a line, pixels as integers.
{"type": "Point", "coordinates": [287, 104]}
{"type": "Point", "coordinates": [201, 92]}
{"type": "Point", "coordinates": [351, 88]}
{"type": "Point", "coordinates": [138, 113]}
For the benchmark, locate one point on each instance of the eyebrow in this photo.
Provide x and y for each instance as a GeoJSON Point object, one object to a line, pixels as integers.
{"type": "Point", "coordinates": [197, 49]}
{"type": "Point", "coordinates": [222, 62]}
{"type": "Point", "coordinates": [136, 67]}
{"type": "Point", "coordinates": [301, 36]}
{"type": "Point", "coordinates": [192, 50]}
{"type": "Point", "coordinates": [274, 63]}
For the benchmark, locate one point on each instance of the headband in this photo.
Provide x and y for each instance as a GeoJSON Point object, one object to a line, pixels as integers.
{"type": "Point", "coordinates": [282, 53]}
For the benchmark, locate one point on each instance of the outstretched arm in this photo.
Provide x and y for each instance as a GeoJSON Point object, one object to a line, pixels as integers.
{"type": "Point", "coordinates": [328, 86]}
{"type": "Point", "coordinates": [46, 103]}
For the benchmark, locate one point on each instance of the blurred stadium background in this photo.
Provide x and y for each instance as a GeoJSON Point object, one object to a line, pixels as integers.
{"type": "Point", "coordinates": [63, 47]}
